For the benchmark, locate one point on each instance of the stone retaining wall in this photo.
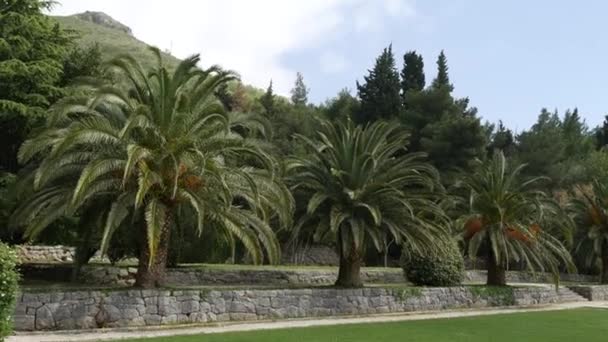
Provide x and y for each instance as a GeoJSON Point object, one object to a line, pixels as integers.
{"type": "Point", "coordinates": [193, 276]}
{"type": "Point", "coordinates": [592, 292]}
{"type": "Point", "coordinates": [128, 308]}
{"type": "Point", "coordinates": [479, 276]}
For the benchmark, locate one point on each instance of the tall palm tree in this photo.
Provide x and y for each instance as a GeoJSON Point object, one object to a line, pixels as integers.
{"type": "Point", "coordinates": [363, 185]}
{"type": "Point", "coordinates": [155, 142]}
{"type": "Point", "coordinates": [508, 220]}
{"type": "Point", "coordinates": [591, 215]}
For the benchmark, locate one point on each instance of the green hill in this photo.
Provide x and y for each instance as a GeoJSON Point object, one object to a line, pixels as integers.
{"type": "Point", "coordinates": [113, 39]}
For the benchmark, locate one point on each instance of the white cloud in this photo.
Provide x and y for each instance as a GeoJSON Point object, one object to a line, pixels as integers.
{"type": "Point", "coordinates": [332, 62]}
{"type": "Point", "coordinates": [251, 37]}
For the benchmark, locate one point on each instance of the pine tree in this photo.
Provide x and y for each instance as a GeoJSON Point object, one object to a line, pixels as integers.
{"type": "Point", "coordinates": [442, 80]}
{"type": "Point", "coordinates": [379, 95]}
{"type": "Point", "coordinates": [412, 75]}
{"type": "Point", "coordinates": [299, 93]}
{"type": "Point", "coordinates": [267, 100]}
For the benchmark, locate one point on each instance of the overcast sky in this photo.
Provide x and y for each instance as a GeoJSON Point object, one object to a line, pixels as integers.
{"type": "Point", "coordinates": [511, 58]}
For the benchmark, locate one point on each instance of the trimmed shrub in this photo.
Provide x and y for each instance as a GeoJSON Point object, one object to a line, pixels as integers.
{"type": "Point", "coordinates": [8, 288]}
{"type": "Point", "coordinates": [444, 267]}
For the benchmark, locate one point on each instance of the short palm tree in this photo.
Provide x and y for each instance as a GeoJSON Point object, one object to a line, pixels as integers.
{"type": "Point", "coordinates": [155, 142]}
{"type": "Point", "coordinates": [591, 215]}
{"type": "Point", "coordinates": [363, 185]}
{"type": "Point", "coordinates": [508, 220]}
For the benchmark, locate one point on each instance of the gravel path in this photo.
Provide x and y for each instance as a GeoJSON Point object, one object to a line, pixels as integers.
{"type": "Point", "coordinates": [118, 334]}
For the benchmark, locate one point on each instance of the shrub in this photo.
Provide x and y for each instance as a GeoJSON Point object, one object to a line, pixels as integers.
{"type": "Point", "coordinates": [8, 288]}
{"type": "Point", "coordinates": [442, 268]}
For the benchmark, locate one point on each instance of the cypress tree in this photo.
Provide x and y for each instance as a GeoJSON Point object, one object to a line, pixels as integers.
{"type": "Point", "coordinates": [412, 75]}
{"type": "Point", "coordinates": [267, 100]}
{"type": "Point", "coordinates": [299, 93]}
{"type": "Point", "coordinates": [379, 95]}
{"type": "Point", "coordinates": [442, 80]}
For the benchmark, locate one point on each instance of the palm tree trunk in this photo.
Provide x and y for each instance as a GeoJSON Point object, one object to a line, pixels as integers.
{"type": "Point", "coordinates": [496, 270]}
{"type": "Point", "coordinates": [604, 257]}
{"type": "Point", "coordinates": [151, 275]}
{"type": "Point", "coordinates": [349, 273]}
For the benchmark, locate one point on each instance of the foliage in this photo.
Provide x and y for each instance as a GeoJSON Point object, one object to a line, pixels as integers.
{"type": "Point", "coordinates": [379, 94]}
{"type": "Point", "coordinates": [299, 93]}
{"type": "Point", "coordinates": [8, 288]}
{"type": "Point", "coordinates": [497, 295]}
{"type": "Point", "coordinates": [443, 267]}
{"type": "Point", "coordinates": [156, 144]}
{"type": "Point", "coordinates": [555, 147]}
{"type": "Point", "coordinates": [82, 62]}
{"type": "Point", "coordinates": [31, 54]}
{"type": "Point", "coordinates": [445, 128]}
{"type": "Point", "coordinates": [342, 107]}
{"type": "Point", "coordinates": [442, 80]}
{"type": "Point", "coordinates": [601, 135]}
{"type": "Point", "coordinates": [590, 209]}
{"type": "Point", "coordinates": [501, 139]}
{"type": "Point", "coordinates": [361, 185]}
{"type": "Point", "coordinates": [268, 101]}
{"type": "Point", "coordinates": [406, 293]}
{"type": "Point", "coordinates": [508, 220]}
{"type": "Point", "coordinates": [412, 75]}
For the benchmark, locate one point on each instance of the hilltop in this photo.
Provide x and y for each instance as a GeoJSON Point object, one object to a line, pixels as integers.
{"type": "Point", "coordinates": [112, 36]}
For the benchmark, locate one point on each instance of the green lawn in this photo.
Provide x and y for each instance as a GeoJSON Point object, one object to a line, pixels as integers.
{"type": "Point", "coordinates": [587, 325]}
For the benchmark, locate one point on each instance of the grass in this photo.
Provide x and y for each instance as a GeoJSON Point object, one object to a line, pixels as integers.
{"type": "Point", "coordinates": [587, 325]}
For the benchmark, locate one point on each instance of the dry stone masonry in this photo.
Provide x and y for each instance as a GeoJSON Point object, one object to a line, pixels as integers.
{"type": "Point", "coordinates": [129, 308]}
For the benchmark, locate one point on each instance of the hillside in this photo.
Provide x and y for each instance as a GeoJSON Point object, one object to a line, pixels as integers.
{"type": "Point", "coordinates": [113, 37]}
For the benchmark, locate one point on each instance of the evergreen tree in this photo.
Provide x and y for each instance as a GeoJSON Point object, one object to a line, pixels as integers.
{"type": "Point", "coordinates": [32, 48]}
{"type": "Point", "coordinates": [601, 135]}
{"type": "Point", "coordinates": [501, 140]}
{"type": "Point", "coordinates": [412, 75]}
{"type": "Point", "coordinates": [442, 79]}
{"type": "Point", "coordinates": [299, 93]}
{"type": "Point", "coordinates": [341, 107]}
{"type": "Point", "coordinates": [267, 100]}
{"type": "Point", "coordinates": [448, 130]}
{"type": "Point", "coordinates": [379, 95]}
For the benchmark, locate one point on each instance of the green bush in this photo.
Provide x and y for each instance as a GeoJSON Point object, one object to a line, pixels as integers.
{"type": "Point", "coordinates": [444, 267]}
{"type": "Point", "coordinates": [8, 288]}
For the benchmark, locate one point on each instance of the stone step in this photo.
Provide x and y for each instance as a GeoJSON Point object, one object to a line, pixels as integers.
{"type": "Point", "coordinates": [566, 296]}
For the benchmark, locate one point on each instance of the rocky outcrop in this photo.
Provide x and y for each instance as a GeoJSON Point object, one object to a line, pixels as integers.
{"type": "Point", "coordinates": [105, 20]}
{"type": "Point", "coordinates": [128, 308]}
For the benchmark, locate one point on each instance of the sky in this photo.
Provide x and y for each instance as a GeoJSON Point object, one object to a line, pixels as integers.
{"type": "Point", "coordinates": [511, 58]}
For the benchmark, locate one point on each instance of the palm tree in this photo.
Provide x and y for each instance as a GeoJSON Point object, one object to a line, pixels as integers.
{"type": "Point", "coordinates": [362, 185]}
{"type": "Point", "coordinates": [156, 142]}
{"type": "Point", "coordinates": [591, 214]}
{"type": "Point", "coordinates": [508, 220]}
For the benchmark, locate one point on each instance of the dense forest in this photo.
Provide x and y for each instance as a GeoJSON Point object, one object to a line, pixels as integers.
{"type": "Point", "coordinates": [42, 72]}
